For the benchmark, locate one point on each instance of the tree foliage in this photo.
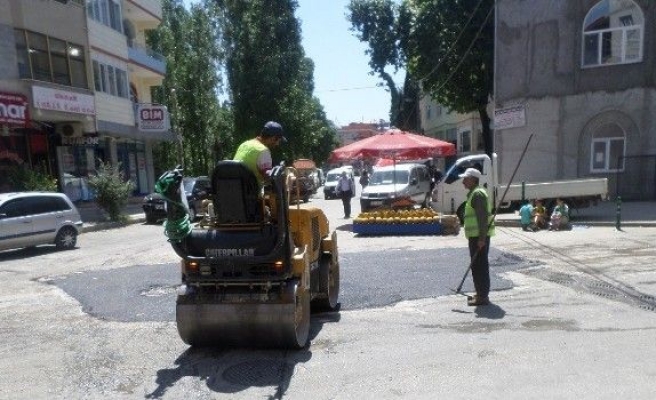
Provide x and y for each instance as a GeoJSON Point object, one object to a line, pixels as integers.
{"type": "Point", "coordinates": [190, 40]}
{"type": "Point", "coordinates": [451, 51]}
{"type": "Point", "coordinates": [257, 46]}
{"type": "Point", "coordinates": [270, 78]}
{"type": "Point", "coordinates": [382, 25]}
{"type": "Point", "coordinates": [446, 45]}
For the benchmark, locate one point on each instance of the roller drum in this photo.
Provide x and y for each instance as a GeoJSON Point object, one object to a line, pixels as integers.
{"type": "Point", "coordinates": [244, 322]}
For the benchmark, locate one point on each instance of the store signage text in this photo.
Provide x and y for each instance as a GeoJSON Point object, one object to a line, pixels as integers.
{"type": "Point", "coordinates": [79, 141]}
{"type": "Point", "coordinates": [512, 117]}
{"type": "Point", "coordinates": [62, 100]}
{"type": "Point", "coordinates": [152, 118]}
{"type": "Point", "coordinates": [13, 109]}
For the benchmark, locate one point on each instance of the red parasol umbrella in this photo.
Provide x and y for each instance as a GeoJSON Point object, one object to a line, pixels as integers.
{"type": "Point", "coordinates": [395, 144]}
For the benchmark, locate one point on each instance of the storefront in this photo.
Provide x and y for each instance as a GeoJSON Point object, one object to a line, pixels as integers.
{"type": "Point", "coordinates": [23, 144]}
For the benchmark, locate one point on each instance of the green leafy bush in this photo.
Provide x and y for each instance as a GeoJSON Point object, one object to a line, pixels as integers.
{"type": "Point", "coordinates": [24, 179]}
{"type": "Point", "coordinates": [111, 190]}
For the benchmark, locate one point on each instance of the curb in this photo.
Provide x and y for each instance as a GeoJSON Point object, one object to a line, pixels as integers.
{"type": "Point", "coordinates": [633, 224]}
{"type": "Point", "coordinates": [102, 226]}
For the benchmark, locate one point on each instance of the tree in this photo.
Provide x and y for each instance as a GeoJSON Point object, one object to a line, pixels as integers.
{"type": "Point", "coordinates": [269, 77]}
{"type": "Point", "coordinates": [447, 46]}
{"type": "Point", "coordinates": [450, 48]}
{"type": "Point", "coordinates": [190, 40]}
{"type": "Point", "coordinates": [381, 24]}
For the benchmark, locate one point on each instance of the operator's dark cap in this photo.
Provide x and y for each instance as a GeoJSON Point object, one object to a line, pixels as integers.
{"type": "Point", "coordinates": [272, 128]}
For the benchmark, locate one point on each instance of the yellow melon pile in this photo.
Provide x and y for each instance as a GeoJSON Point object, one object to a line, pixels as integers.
{"type": "Point", "coordinates": [420, 216]}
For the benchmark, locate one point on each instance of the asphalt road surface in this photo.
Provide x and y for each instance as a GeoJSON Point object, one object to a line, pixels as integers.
{"type": "Point", "coordinates": [368, 280]}
{"type": "Point", "coordinates": [97, 322]}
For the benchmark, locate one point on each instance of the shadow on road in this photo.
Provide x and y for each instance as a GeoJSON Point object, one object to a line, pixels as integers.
{"type": "Point", "coordinates": [235, 370]}
{"type": "Point", "coordinates": [491, 311]}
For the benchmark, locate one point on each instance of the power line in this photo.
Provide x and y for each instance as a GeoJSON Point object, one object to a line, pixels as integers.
{"type": "Point", "coordinates": [353, 88]}
{"type": "Point", "coordinates": [480, 29]}
{"type": "Point", "coordinates": [453, 45]}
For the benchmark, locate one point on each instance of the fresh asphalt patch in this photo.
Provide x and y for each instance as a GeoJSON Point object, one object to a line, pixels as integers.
{"type": "Point", "coordinates": [368, 280]}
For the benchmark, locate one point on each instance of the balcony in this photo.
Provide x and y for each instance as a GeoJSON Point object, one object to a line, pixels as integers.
{"type": "Point", "coordinates": [145, 63]}
{"type": "Point", "coordinates": [143, 11]}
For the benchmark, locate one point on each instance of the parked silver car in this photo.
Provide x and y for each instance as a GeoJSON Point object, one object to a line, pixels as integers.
{"type": "Point", "coordinates": [35, 218]}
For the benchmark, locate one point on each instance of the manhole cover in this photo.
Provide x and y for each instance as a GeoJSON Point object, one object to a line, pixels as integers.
{"type": "Point", "coordinates": [258, 373]}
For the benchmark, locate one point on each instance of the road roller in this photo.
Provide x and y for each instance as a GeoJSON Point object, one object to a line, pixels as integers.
{"type": "Point", "coordinates": [255, 267]}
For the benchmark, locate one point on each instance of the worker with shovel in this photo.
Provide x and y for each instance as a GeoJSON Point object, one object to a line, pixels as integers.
{"type": "Point", "coordinates": [479, 226]}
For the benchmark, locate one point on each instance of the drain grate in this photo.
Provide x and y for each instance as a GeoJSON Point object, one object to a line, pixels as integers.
{"type": "Point", "coordinates": [596, 287]}
{"type": "Point", "coordinates": [258, 373]}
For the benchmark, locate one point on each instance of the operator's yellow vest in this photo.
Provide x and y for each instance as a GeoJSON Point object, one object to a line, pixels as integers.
{"type": "Point", "coordinates": [471, 223]}
{"type": "Point", "coordinates": [248, 152]}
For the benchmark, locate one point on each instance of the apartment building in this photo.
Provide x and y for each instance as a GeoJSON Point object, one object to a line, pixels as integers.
{"type": "Point", "coordinates": [75, 79]}
{"type": "Point", "coordinates": [580, 76]}
{"type": "Point", "coordinates": [463, 130]}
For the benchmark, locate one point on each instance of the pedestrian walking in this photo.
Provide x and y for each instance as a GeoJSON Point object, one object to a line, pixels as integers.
{"type": "Point", "coordinates": [364, 179]}
{"type": "Point", "coordinates": [345, 190]}
{"type": "Point", "coordinates": [479, 227]}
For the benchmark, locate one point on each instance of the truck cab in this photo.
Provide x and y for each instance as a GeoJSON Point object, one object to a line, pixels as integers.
{"type": "Point", "coordinates": [449, 195]}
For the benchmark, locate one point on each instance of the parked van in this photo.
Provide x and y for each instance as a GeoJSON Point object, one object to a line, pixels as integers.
{"type": "Point", "coordinates": [331, 181]}
{"type": "Point", "coordinates": [394, 182]}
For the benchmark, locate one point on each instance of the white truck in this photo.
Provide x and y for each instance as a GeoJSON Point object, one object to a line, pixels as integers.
{"type": "Point", "coordinates": [449, 195]}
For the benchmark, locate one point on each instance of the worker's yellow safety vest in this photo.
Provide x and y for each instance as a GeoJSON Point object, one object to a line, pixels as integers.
{"type": "Point", "coordinates": [248, 152]}
{"type": "Point", "coordinates": [471, 223]}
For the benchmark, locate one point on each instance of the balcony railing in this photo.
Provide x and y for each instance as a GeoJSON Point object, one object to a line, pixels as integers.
{"type": "Point", "coordinates": [146, 57]}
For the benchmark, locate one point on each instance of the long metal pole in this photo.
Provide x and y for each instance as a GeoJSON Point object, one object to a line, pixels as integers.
{"type": "Point", "coordinates": [496, 210]}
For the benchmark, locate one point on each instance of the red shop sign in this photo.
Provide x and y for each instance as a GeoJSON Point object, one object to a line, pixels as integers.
{"type": "Point", "coordinates": [13, 109]}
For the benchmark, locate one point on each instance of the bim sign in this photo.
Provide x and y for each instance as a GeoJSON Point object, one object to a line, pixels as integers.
{"type": "Point", "coordinates": [13, 109]}
{"type": "Point", "coordinates": [152, 118]}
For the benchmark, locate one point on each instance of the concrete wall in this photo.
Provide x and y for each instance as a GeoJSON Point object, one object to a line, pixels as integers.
{"type": "Point", "coordinates": [52, 18]}
{"type": "Point", "coordinates": [538, 65]}
{"type": "Point", "coordinates": [539, 51]}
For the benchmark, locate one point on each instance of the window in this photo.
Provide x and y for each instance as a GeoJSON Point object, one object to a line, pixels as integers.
{"type": "Point", "coordinates": [111, 80]}
{"type": "Point", "coordinates": [613, 33]}
{"type": "Point", "coordinates": [22, 55]}
{"type": "Point", "coordinates": [464, 142]}
{"type": "Point", "coordinates": [452, 136]}
{"type": "Point", "coordinates": [45, 58]}
{"type": "Point", "coordinates": [59, 57]}
{"type": "Point", "coordinates": [607, 149]}
{"type": "Point", "coordinates": [77, 66]}
{"type": "Point", "coordinates": [14, 208]}
{"type": "Point", "coordinates": [38, 51]}
{"type": "Point", "coordinates": [107, 12]}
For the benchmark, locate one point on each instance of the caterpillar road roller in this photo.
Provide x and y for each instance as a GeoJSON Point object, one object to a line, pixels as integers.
{"type": "Point", "coordinates": [255, 267]}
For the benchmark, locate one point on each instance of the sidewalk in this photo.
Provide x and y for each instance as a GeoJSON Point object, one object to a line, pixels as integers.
{"type": "Point", "coordinates": [95, 220]}
{"type": "Point", "coordinates": [635, 213]}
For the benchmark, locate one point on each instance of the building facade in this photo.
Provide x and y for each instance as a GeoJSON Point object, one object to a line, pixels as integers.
{"type": "Point", "coordinates": [580, 77]}
{"type": "Point", "coordinates": [463, 130]}
{"type": "Point", "coordinates": [75, 90]}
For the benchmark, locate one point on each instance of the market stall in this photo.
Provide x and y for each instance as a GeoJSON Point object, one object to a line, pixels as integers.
{"type": "Point", "coordinates": [401, 216]}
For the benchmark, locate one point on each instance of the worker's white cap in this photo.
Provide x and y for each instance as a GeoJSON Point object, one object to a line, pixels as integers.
{"type": "Point", "coordinates": [471, 172]}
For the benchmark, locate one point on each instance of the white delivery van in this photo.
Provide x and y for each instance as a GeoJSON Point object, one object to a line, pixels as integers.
{"type": "Point", "coordinates": [331, 181]}
{"type": "Point", "coordinates": [395, 182]}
